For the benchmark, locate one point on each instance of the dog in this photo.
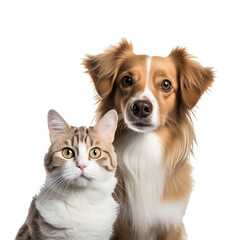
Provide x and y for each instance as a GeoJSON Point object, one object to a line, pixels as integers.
{"type": "Point", "coordinates": [154, 97]}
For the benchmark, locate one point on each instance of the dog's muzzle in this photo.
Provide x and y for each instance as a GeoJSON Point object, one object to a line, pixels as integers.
{"type": "Point", "coordinates": [139, 116]}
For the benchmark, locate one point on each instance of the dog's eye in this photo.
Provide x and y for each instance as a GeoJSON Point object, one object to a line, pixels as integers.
{"type": "Point", "coordinates": [166, 85]}
{"type": "Point", "coordinates": [126, 81]}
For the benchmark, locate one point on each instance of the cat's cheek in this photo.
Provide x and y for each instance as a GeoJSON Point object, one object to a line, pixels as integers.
{"type": "Point", "coordinates": [99, 173]}
{"type": "Point", "coordinates": [70, 171]}
{"type": "Point", "coordinates": [107, 174]}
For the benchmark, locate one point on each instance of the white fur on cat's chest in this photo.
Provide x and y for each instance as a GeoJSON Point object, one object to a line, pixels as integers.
{"type": "Point", "coordinates": [141, 159]}
{"type": "Point", "coordinates": [78, 217]}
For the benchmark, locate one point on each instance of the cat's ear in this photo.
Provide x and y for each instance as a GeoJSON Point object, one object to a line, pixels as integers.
{"type": "Point", "coordinates": [56, 124]}
{"type": "Point", "coordinates": [107, 125]}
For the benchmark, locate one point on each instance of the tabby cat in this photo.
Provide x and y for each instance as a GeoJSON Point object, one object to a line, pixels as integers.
{"type": "Point", "coordinates": [76, 201]}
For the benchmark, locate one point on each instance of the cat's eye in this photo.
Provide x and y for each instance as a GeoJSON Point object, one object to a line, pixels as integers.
{"type": "Point", "coordinates": [95, 153]}
{"type": "Point", "coordinates": [68, 153]}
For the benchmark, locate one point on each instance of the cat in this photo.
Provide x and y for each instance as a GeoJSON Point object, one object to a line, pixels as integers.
{"type": "Point", "coordinates": [76, 201]}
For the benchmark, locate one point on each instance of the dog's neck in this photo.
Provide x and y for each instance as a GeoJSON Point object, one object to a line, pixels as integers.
{"type": "Point", "coordinates": [139, 155]}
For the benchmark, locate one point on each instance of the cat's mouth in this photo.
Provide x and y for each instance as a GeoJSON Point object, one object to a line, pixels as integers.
{"type": "Point", "coordinates": [82, 180]}
{"type": "Point", "coordinates": [83, 176]}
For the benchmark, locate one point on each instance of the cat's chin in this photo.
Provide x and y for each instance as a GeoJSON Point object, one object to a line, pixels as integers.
{"type": "Point", "coordinates": [81, 181]}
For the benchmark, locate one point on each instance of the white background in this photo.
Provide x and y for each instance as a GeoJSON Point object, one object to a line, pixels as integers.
{"type": "Point", "coordinates": [41, 47]}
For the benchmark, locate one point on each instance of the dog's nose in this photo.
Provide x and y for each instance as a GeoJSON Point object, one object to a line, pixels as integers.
{"type": "Point", "coordinates": [141, 108]}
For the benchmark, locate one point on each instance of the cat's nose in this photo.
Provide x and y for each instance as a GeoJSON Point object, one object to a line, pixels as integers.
{"type": "Point", "coordinates": [81, 166]}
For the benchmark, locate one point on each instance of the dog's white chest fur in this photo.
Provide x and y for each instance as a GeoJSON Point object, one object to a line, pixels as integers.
{"type": "Point", "coordinates": [87, 216]}
{"type": "Point", "coordinates": [140, 158]}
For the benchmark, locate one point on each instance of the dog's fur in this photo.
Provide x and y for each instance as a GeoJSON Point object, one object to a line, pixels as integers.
{"type": "Point", "coordinates": [154, 171]}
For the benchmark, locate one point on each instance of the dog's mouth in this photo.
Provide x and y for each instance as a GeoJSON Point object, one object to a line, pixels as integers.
{"type": "Point", "coordinates": [140, 125]}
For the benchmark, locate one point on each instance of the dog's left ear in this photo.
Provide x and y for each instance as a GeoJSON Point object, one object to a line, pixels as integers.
{"type": "Point", "coordinates": [103, 68]}
{"type": "Point", "coordinates": [194, 79]}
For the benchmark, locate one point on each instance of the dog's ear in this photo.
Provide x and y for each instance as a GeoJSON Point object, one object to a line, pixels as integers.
{"type": "Point", "coordinates": [104, 67]}
{"type": "Point", "coordinates": [194, 79]}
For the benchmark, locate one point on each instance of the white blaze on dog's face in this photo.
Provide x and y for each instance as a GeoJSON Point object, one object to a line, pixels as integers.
{"type": "Point", "coordinates": [146, 91]}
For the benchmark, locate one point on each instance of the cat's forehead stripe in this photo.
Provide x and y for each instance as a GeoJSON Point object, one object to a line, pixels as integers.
{"type": "Point", "coordinates": [67, 142]}
{"type": "Point", "coordinates": [90, 141]}
{"type": "Point", "coordinates": [85, 138]}
{"type": "Point", "coordinates": [77, 136]}
{"type": "Point", "coordinates": [74, 140]}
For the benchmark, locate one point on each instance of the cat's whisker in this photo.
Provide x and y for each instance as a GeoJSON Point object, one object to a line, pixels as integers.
{"type": "Point", "coordinates": [66, 180]}
{"type": "Point", "coordinates": [50, 192]}
{"type": "Point", "coordinates": [66, 187]}
{"type": "Point", "coordinates": [60, 192]}
{"type": "Point", "coordinates": [54, 185]}
{"type": "Point", "coordinates": [47, 190]}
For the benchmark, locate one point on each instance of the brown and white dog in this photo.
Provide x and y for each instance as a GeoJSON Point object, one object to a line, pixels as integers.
{"type": "Point", "coordinates": [153, 97]}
